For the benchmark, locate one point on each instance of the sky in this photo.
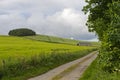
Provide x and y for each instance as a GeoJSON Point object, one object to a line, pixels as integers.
{"type": "Point", "coordinates": [62, 18]}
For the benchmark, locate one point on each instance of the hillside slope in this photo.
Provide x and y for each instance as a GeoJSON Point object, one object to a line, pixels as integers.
{"type": "Point", "coordinates": [53, 39]}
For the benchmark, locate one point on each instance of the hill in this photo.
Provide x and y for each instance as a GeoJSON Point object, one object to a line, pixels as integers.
{"type": "Point", "coordinates": [53, 39]}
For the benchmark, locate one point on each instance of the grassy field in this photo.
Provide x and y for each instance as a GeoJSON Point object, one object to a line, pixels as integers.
{"type": "Point", "coordinates": [94, 72]}
{"type": "Point", "coordinates": [53, 39]}
{"type": "Point", "coordinates": [21, 58]}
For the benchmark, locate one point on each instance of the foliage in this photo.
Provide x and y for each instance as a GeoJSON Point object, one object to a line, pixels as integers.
{"type": "Point", "coordinates": [21, 58]}
{"type": "Point", "coordinates": [22, 32]}
{"type": "Point", "coordinates": [98, 19]}
{"type": "Point", "coordinates": [111, 41]}
{"type": "Point", "coordinates": [104, 19]}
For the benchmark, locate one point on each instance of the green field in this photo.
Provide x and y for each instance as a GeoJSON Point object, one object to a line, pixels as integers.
{"type": "Point", "coordinates": [21, 57]}
{"type": "Point", "coordinates": [53, 39]}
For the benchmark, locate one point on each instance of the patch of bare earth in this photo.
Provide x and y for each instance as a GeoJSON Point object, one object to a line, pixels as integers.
{"type": "Point", "coordinates": [70, 71]}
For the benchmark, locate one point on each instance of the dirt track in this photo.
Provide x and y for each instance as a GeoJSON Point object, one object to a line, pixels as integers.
{"type": "Point", "coordinates": [70, 71]}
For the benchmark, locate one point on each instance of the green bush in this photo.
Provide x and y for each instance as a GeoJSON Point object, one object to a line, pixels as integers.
{"type": "Point", "coordinates": [22, 32]}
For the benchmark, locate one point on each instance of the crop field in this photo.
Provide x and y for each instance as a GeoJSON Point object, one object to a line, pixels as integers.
{"type": "Point", "coordinates": [21, 58]}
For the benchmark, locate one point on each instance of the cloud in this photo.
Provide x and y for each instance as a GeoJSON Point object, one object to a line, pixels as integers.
{"type": "Point", "coordinates": [62, 18]}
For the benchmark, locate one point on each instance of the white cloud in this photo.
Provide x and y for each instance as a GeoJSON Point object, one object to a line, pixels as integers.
{"type": "Point", "coordinates": [62, 18]}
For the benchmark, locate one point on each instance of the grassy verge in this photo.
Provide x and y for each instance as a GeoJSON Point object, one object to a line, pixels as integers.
{"type": "Point", "coordinates": [94, 72]}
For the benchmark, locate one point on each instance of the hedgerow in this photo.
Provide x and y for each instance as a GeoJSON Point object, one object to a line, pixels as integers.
{"type": "Point", "coordinates": [104, 19]}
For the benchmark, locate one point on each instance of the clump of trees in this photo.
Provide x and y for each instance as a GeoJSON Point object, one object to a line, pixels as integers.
{"type": "Point", "coordinates": [21, 32]}
{"type": "Point", "coordinates": [104, 19]}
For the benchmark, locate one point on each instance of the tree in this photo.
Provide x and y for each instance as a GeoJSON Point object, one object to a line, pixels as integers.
{"type": "Point", "coordinates": [104, 19]}
{"type": "Point", "coordinates": [21, 32]}
{"type": "Point", "coordinates": [98, 19]}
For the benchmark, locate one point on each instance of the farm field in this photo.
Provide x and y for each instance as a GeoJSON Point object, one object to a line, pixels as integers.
{"type": "Point", "coordinates": [21, 58]}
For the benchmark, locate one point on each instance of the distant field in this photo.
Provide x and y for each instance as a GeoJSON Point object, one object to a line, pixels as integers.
{"type": "Point", "coordinates": [53, 39]}
{"type": "Point", "coordinates": [19, 53]}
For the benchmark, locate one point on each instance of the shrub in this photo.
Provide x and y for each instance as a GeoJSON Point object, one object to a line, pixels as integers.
{"type": "Point", "coordinates": [22, 32]}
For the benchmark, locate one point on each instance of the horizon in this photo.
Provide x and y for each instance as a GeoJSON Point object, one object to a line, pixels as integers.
{"type": "Point", "coordinates": [92, 40]}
